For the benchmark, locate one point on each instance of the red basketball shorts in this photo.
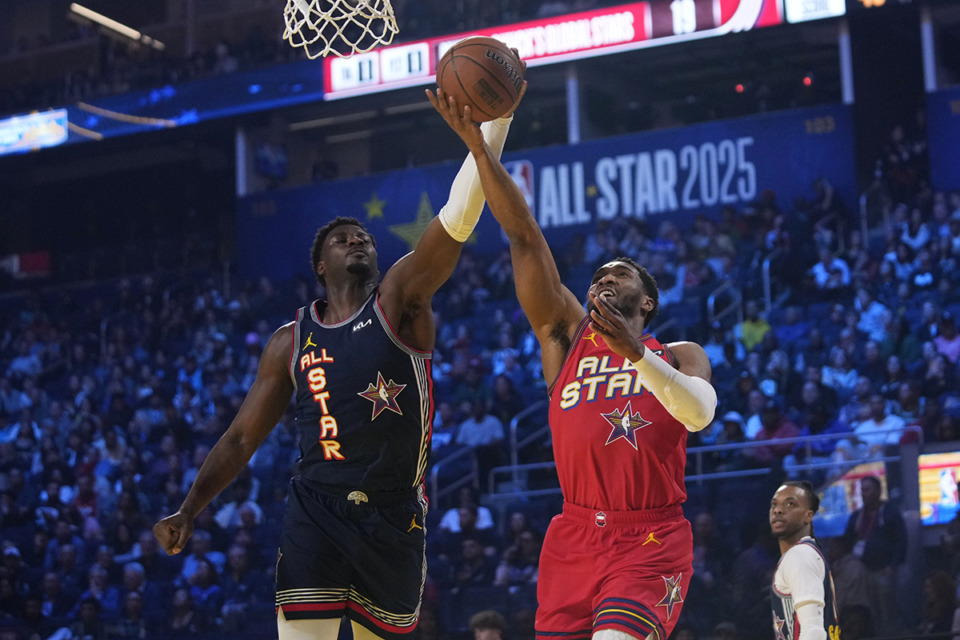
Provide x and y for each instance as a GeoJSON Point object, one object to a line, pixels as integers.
{"type": "Point", "coordinates": [623, 570]}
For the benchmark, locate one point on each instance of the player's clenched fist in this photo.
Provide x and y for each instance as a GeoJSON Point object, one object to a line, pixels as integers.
{"type": "Point", "coordinates": [173, 532]}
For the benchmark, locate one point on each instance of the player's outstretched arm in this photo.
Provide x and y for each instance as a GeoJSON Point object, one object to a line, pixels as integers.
{"type": "Point", "coordinates": [261, 410]}
{"type": "Point", "coordinates": [547, 303]}
{"type": "Point", "coordinates": [418, 275]}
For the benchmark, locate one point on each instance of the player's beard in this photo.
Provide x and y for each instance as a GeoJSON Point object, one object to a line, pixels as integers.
{"type": "Point", "coordinates": [362, 269]}
{"type": "Point", "coordinates": [628, 306]}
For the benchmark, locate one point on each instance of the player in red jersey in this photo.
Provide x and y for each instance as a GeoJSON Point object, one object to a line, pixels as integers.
{"type": "Point", "coordinates": [617, 562]}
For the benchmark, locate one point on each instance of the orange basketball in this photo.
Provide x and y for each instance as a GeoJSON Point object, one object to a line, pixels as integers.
{"type": "Point", "coordinates": [481, 72]}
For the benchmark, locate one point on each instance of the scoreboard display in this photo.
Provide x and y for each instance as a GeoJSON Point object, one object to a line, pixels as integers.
{"type": "Point", "coordinates": [572, 36]}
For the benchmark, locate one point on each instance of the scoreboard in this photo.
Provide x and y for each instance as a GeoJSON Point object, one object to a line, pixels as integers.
{"type": "Point", "coordinates": [573, 36]}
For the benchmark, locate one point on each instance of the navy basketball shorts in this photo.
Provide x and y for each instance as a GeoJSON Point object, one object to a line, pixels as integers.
{"type": "Point", "coordinates": [362, 559]}
{"type": "Point", "coordinates": [623, 570]}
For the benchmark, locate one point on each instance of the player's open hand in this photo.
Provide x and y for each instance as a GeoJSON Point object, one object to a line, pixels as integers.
{"type": "Point", "coordinates": [173, 532]}
{"type": "Point", "coordinates": [610, 323]}
{"type": "Point", "coordinates": [462, 124]}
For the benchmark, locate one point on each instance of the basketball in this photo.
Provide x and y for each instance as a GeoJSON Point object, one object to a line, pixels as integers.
{"type": "Point", "coordinates": [481, 72]}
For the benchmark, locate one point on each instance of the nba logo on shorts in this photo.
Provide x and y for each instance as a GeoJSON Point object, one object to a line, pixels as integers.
{"type": "Point", "coordinates": [601, 519]}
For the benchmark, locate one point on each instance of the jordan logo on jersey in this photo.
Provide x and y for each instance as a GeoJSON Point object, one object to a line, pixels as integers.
{"type": "Point", "coordinates": [625, 425]}
{"type": "Point", "coordinates": [309, 342]}
{"type": "Point", "coordinates": [383, 395]}
{"type": "Point", "coordinates": [674, 595]}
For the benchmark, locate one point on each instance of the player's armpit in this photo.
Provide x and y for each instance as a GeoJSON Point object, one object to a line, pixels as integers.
{"type": "Point", "coordinates": [690, 399]}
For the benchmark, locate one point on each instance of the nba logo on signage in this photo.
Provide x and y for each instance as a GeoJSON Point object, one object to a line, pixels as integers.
{"type": "Point", "coordinates": [522, 173]}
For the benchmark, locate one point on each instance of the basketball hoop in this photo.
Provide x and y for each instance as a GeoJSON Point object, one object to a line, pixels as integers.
{"type": "Point", "coordinates": [340, 27]}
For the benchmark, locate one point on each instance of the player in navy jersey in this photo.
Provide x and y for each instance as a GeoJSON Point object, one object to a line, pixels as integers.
{"type": "Point", "coordinates": [803, 599]}
{"type": "Point", "coordinates": [617, 561]}
{"type": "Point", "coordinates": [358, 364]}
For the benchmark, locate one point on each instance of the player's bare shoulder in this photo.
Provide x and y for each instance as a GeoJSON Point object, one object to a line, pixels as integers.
{"type": "Point", "coordinates": [277, 351]}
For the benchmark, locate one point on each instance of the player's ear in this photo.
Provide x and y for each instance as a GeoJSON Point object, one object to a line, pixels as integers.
{"type": "Point", "coordinates": [319, 269]}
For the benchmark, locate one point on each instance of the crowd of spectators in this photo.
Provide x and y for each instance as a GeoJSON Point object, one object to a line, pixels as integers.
{"type": "Point", "coordinates": [112, 393]}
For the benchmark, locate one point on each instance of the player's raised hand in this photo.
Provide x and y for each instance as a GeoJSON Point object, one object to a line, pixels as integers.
{"type": "Point", "coordinates": [607, 320]}
{"type": "Point", "coordinates": [462, 124]}
{"type": "Point", "coordinates": [173, 532]}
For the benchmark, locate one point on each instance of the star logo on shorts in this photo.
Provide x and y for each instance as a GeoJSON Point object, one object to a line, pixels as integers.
{"type": "Point", "coordinates": [383, 395]}
{"type": "Point", "coordinates": [625, 425]}
{"type": "Point", "coordinates": [673, 597]}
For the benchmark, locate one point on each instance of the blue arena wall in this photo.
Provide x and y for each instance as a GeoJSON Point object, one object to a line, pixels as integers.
{"type": "Point", "coordinates": [943, 118]}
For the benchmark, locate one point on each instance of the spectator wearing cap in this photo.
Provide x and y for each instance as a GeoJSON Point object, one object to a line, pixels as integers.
{"type": "Point", "coordinates": [13, 567]}
{"type": "Point", "coordinates": [727, 430]}
{"type": "Point", "coordinates": [488, 625]}
{"type": "Point", "coordinates": [947, 341]}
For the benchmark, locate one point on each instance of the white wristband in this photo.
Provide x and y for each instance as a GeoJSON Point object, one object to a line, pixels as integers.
{"type": "Point", "coordinates": [689, 399]}
{"type": "Point", "coordinates": [460, 214]}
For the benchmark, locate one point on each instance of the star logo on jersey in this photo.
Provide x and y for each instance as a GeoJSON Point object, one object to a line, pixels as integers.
{"type": "Point", "coordinates": [383, 395]}
{"type": "Point", "coordinates": [778, 624]}
{"type": "Point", "coordinates": [625, 425]}
{"type": "Point", "coordinates": [592, 337]}
{"type": "Point", "coordinates": [673, 597]}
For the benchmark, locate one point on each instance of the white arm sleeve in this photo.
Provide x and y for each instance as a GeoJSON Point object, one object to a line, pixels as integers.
{"type": "Point", "coordinates": [810, 617]}
{"type": "Point", "coordinates": [460, 214]}
{"type": "Point", "coordinates": [689, 399]}
{"type": "Point", "coordinates": [803, 571]}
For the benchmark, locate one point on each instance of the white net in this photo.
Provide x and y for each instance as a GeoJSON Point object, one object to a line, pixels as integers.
{"type": "Point", "coordinates": [339, 27]}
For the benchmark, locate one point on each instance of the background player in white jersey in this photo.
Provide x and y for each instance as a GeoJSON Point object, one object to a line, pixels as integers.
{"type": "Point", "coordinates": [803, 599]}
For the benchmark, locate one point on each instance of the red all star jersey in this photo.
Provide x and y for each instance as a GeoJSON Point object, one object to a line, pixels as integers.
{"type": "Point", "coordinates": [616, 447]}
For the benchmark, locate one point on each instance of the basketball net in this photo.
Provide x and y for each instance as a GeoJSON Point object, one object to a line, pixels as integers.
{"type": "Point", "coordinates": [340, 27]}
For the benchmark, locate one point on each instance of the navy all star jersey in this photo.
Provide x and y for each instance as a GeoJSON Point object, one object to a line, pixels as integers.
{"type": "Point", "coordinates": [803, 575]}
{"type": "Point", "coordinates": [364, 401]}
